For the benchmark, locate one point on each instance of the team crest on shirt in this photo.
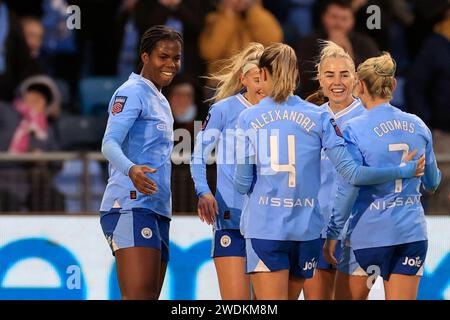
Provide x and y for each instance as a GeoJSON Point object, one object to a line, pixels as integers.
{"type": "Point", "coordinates": [205, 123]}
{"type": "Point", "coordinates": [336, 127]}
{"type": "Point", "coordinates": [118, 104]}
{"type": "Point", "coordinates": [146, 233]}
{"type": "Point", "coordinates": [225, 241]}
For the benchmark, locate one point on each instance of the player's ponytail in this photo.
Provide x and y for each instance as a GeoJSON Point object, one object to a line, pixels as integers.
{"type": "Point", "coordinates": [281, 62]}
{"type": "Point", "coordinates": [379, 75]}
{"type": "Point", "coordinates": [229, 77]}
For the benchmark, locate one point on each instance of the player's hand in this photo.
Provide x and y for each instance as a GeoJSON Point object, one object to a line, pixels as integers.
{"type": "Point", "coordinates": [207, 208]}
{"type": "Point", "coordinates": [329, 249]}
{"type": "Point", "coordinates": [420, 167]}
{"type": "Point", "coordinates": [140, 180]}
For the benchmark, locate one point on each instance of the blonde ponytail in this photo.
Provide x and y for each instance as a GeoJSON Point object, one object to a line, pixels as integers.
{"type": "Point", "coordinates": [228, 78]}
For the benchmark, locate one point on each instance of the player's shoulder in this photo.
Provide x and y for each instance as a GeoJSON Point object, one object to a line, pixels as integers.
{"type": "Point", "coordinates": [411, 117]}
{"type": "Point", "coordinates": [223, 105]}
{"type": "Point", "coordinates": [132, 88]}
{"type": "Point", "coordinates": [296, 100]}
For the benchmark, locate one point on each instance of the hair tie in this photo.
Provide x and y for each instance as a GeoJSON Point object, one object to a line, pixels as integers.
{"type": "Point", "coordinates": [379, 71]}
{"type": "Point", "coordinates": [249, 65]}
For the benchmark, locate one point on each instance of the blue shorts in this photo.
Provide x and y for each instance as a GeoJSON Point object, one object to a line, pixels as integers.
{"type": "Point", "coordinates": [299, 257]}
{"type": "Point", "coordinates": [347, 263]}
{"type": "Point", "coordinates": [322, 263]}
{"type": "Point", "coordinates": [407, 258]}
{"type": "Point", "coordinates": [228, 243]}
{"type": "Point", "coordinates": [138, 228]}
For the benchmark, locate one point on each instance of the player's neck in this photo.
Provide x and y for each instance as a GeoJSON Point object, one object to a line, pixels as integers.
{"type": "Point", "coordinates": [253, 100]}
{"type": "Point", "coordinates": [370, 104]}
{"type": "Point", "coordinates": [339, 106]}
{"type": "Point", "coordinates": [147, 75]}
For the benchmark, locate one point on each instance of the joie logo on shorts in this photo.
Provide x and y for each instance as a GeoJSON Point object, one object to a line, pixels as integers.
{"type": "Point", "coordinates": [146, 233]}
{"type": "Point", "coordinates": [225, 241]}
{"type": "Point", "coordinates": [412, 262]}
{"type": "Point", "coordinates": [310, 265]}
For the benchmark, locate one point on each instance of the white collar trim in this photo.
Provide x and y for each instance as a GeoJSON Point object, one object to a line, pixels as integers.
{"type": "Point", "coordinates": [345, 111]}
{"type": "Point", "coordinates": [244, 101]}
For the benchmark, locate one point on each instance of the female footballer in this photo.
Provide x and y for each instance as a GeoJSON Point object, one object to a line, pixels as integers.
{"type": "Point", "coordinates": [386, 232]}
{"type": "Point", "coordinates": [281, 138]}
{"type": "Point", "coordinates": [239, 88]}
{"type": "Point", "coordinates": [136, 206]}
{"type": "Point", "coordinates": [337, 77]}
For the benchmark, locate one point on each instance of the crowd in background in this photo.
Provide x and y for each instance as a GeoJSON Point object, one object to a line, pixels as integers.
{"type": "Point", "coordinates": [55, 83]}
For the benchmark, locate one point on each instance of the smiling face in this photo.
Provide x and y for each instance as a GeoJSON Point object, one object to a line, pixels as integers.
{"type": "Point", "coordinates": [337, 80]}
{"type": "Point", "coordinates": [251, 80]}
{"type": "Point", "coordinates": [164, 61]}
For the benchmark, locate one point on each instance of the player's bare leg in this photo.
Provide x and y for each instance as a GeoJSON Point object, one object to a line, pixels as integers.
{"type": "Point", "coordinates": [162, 276]}
{"type": "Point", "coordinates": [271, 285]}
{"type": "Point", "coordinates": [321, 286]}
{"type": "Point", "coordinates": [234, 283]}
{"type": "Point", "coordinates": [138, 272]}
{"type": "Point", "coordinates": [295, 286]}
{"type": "Point", "coordinates": [351, 287]}
{"type": "Point", "coordinates": [401, 287]}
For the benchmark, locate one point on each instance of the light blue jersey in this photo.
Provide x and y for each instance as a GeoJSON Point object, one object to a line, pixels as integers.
{"type": "Point", "coordinates": [139, 131]}
{"type": "Point", "coordinates": [328, 172]}
{"type": "Point", "coordinates": [286, 139]}
{"type": "Point", "coordinates": [219, 132]}
{"type": "Point", "coordinates": [390, 213]}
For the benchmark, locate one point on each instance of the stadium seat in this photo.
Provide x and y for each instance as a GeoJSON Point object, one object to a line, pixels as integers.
{"type": "Point", "coordinates": [95, 94]}
{"type": "Point", "coordinates": [81, 133]}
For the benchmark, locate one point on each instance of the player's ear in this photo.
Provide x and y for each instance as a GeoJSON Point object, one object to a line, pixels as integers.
{"type": "Point", "coordinates": [394, 85]}
{"type": "Point", "coordinates": [243, 80]}
{"type": "Point", "coordinates": [145, 57]}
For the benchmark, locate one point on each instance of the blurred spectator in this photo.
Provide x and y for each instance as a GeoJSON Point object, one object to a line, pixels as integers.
{"type": "Point", "coordinates": [59, 48]}
{"type": "Point", "coordinates": [29, 127]}
{"type": "Point", "coordinates": [233, 25]}
{"type": "Point", "coordinates": [427, 96]}
{"type": "Point", "coordinates": [295, 17]}
{"type": "Point", "coordinates": [96, 39]}
{"type": "Point", "coordinates": [393, 12]}
{"type": "Point", "coordinates": [33, 31]}
{"type": "Point", "coordinates": [181, 97]}
{"type": "Point", "coordinates": [15, 59]}
{"type": "Point", "coordinates": [337, 25]}
{"type": "Point", "coordinates": [396, 16]}
{"type": "Point", "coordinates": [185, 16]}
{"type": "Point", "coordinates": [427, 13]}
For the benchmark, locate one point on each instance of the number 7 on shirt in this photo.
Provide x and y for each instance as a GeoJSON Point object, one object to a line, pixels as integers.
{"type": "Point", "coordinates": [399, 147]}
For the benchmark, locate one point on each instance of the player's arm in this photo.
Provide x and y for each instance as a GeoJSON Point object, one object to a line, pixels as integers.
{"type": "Point", "coordinates": [432, 175]}
{"type": "Point", "coordinates": [244, 174]}
{"type": "Point", "coordinates": [362, 175]}
{"type": "Point", "coordinates": [206, 142]}
{"type": "Point", "coordinates": [343, 202]}
{"type": "Point", "coordinates": [336, 149]}
{"type": "Point", "coordinates": [123, 112]}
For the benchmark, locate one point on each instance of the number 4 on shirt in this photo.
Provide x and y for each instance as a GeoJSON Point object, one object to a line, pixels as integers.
{"type": "Point", "coordinates": [274, 158]}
